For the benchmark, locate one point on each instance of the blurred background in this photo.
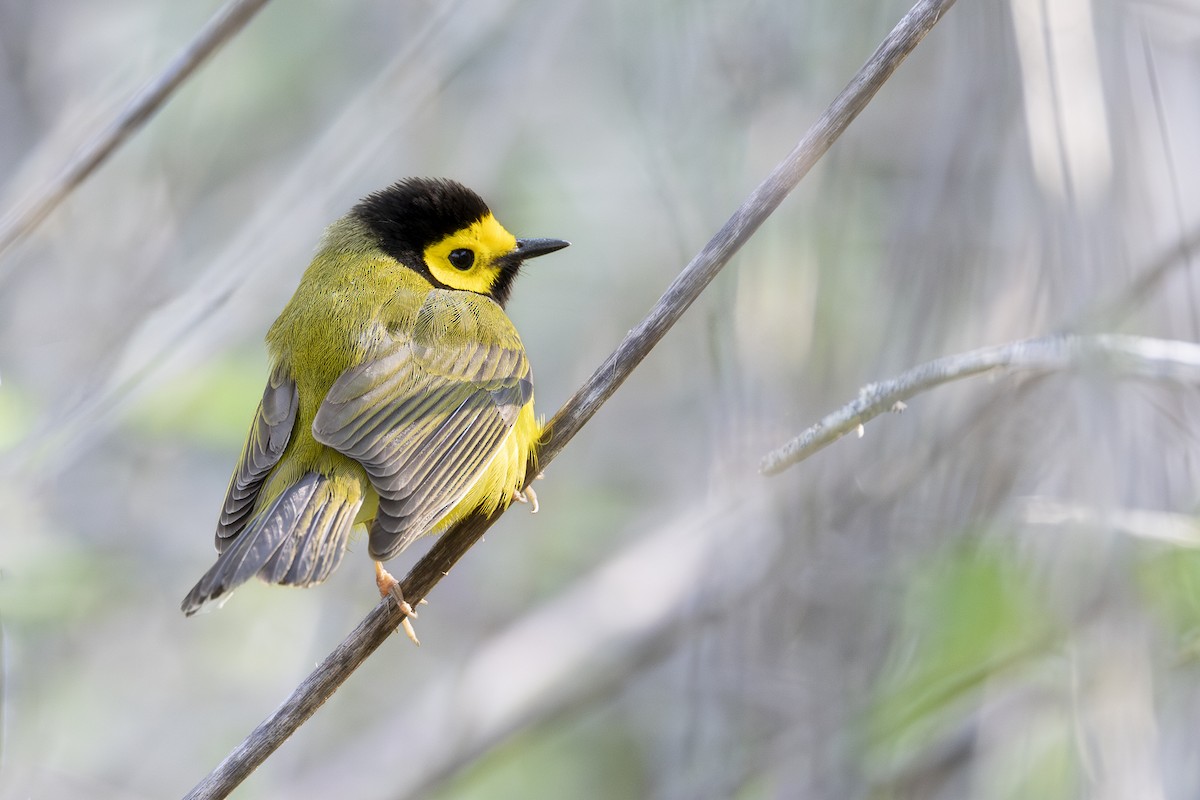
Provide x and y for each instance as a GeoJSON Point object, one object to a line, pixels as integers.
{"type": "Point", "coordinates": [993, 595]}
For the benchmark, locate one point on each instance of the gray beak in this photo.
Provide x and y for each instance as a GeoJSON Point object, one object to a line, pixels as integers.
{"type": "Point", "coordinates": [529, 248]}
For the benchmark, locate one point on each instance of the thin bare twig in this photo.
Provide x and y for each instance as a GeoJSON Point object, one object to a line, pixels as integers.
{"type": "Point", "coordinates": [1136, 356]}
{"type": "Point", "coordinates": [228, 20]}
{"type": "Point", "coordinates": [580, 408]}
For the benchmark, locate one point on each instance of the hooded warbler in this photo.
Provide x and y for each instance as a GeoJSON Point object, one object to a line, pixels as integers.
{"type": "Point", "coordinates": [399, 397]}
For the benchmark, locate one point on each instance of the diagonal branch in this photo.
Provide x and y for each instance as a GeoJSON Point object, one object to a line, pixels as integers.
{"type": "Point", "coordinates": [228, 20]}
{"type": "Point", "coordinates": [580, 408]}
{"type": "Point", "coordinates": [1134, 356]}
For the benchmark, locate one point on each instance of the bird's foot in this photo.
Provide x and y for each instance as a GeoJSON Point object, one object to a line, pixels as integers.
{"type": "Point", "coordinates": [528, 495]}
{"type": "Point", "coordinates": [390, 587]}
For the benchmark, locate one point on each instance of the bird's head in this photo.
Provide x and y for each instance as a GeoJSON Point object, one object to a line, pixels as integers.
{"type": "Point", "coordinates": [446, 232]}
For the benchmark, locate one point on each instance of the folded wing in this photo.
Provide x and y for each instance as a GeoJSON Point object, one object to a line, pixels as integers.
{"type": "Point", "coordinates": [428, 410]}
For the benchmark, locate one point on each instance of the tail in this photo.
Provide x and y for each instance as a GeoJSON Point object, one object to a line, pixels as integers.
{"type": "Point", "coordinates": [297, 540]}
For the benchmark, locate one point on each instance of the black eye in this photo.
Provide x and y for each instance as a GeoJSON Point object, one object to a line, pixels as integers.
{"type": "Point", "coordinates": [462, 258]}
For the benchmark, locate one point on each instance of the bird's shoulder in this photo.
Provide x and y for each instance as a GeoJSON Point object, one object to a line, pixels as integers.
{"type": "Point", "coordinates": [441, 319]}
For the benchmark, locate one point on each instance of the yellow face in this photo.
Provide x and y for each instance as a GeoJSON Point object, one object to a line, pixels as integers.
{"type": "Point", "coordinates": [468, 259]}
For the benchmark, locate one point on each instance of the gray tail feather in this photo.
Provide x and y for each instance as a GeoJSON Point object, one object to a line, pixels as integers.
{"type": "Point", "coordinates": [298, 540]}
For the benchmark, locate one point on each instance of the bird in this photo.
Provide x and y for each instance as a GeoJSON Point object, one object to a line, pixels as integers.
{"type": "Point", "coordinates": [400, 397]}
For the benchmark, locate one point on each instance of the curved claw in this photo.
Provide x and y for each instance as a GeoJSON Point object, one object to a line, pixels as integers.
{"type": "Point", "coordinates": [528, 495]}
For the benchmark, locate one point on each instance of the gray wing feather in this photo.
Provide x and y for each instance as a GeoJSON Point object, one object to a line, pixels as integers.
{"type": "Point", "coordinates": [269, 435]}
{"type": "Point", "coordinates": [298, 539]}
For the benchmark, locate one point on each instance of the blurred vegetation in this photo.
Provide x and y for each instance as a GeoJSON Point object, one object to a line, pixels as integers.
{"type": "Point", "coordinates": [894, 618]}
